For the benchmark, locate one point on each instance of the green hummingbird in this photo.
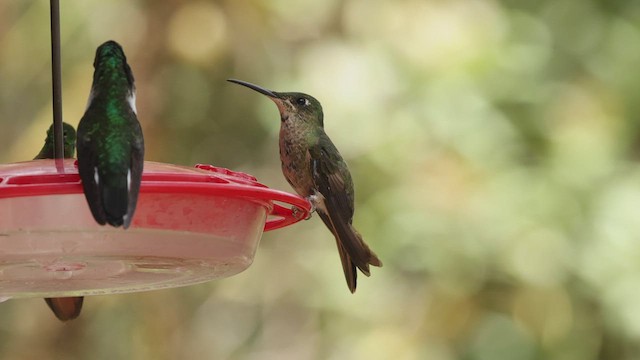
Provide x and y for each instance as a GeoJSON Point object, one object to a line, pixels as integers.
{"type": "Point", "coordinates": [64, 308]}
{"type": "Point", "coordinates": [110, 141]}
{"type": "Point", "coordinates": [69, 143]}
{"type": "Point", "coordinates": [314, 168]}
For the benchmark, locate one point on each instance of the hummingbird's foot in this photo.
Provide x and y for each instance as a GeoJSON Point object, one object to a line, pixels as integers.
{"type": "Point", "coordinates": [297, 212]}
{"type": "Point", "coordinates": [313, 200]}
{"type": "Point", "coordinates": [313, 209]}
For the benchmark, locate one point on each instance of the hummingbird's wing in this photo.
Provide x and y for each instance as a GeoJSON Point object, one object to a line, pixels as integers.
{"type": "Point", "coordinates": [333, 181]}
{"type": "Point", "coordinates": [137, 164]}
{"type": "Point", "coordinates": [111, 183]}
{"type": "Point", "coordinates": [332, 178]}
{"type": "Point", "coordinates": [88, 171]}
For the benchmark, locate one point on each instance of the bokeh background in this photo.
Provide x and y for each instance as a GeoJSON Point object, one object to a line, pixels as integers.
{"type": "Point", "coordinates": [494, 146]}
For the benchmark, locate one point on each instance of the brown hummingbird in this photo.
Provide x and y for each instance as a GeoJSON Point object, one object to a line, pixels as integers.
{"type": "Point", "coordinates": [64, 308]}
{"type": "Point", "coordinates": [314, 168]}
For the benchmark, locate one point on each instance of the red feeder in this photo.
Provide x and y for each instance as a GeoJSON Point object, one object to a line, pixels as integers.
{"type": "Point", "coordinates": [191, 225]}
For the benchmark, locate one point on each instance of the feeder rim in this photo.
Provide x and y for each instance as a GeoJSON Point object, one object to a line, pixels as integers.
{"type": "Point", "coordinates": [45, 177]}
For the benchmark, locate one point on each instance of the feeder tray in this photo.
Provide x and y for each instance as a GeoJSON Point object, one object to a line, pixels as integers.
{"type": "Point", "coordinates": [191, 225]}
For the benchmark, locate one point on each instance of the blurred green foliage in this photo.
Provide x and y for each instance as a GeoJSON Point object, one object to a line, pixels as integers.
{"type": "Point", "coordinates": [494, 146]}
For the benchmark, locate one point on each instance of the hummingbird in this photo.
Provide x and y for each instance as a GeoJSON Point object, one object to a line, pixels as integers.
{"type": "Point", "coordinates": [69, 143]}
{"type": "Point", "coordinates": [110, 141]}
{"type": "Point", "coordinates": [64, 308]}
{"type": "Point", "coordinates": [314, 168]}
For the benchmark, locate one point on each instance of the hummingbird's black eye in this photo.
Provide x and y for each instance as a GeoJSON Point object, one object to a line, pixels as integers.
{"type": "Point", "coordinates": [302, 101]}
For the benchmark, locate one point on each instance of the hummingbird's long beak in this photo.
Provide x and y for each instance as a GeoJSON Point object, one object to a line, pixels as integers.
{"type": "Point", "coordinates": [257, 88]}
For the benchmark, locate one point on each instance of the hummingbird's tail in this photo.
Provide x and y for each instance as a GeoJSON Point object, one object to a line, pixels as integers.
{"type": "Point", "coordinates": [115, 202]}
{"type": "Point", "coordinates": [120, 201]}
{"type": "Point", "coordinates": [65, 308]}
{"type": "Point", "coordinates": [354, 252]}
{"type": "Point", "coordinates": [112, 197]}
